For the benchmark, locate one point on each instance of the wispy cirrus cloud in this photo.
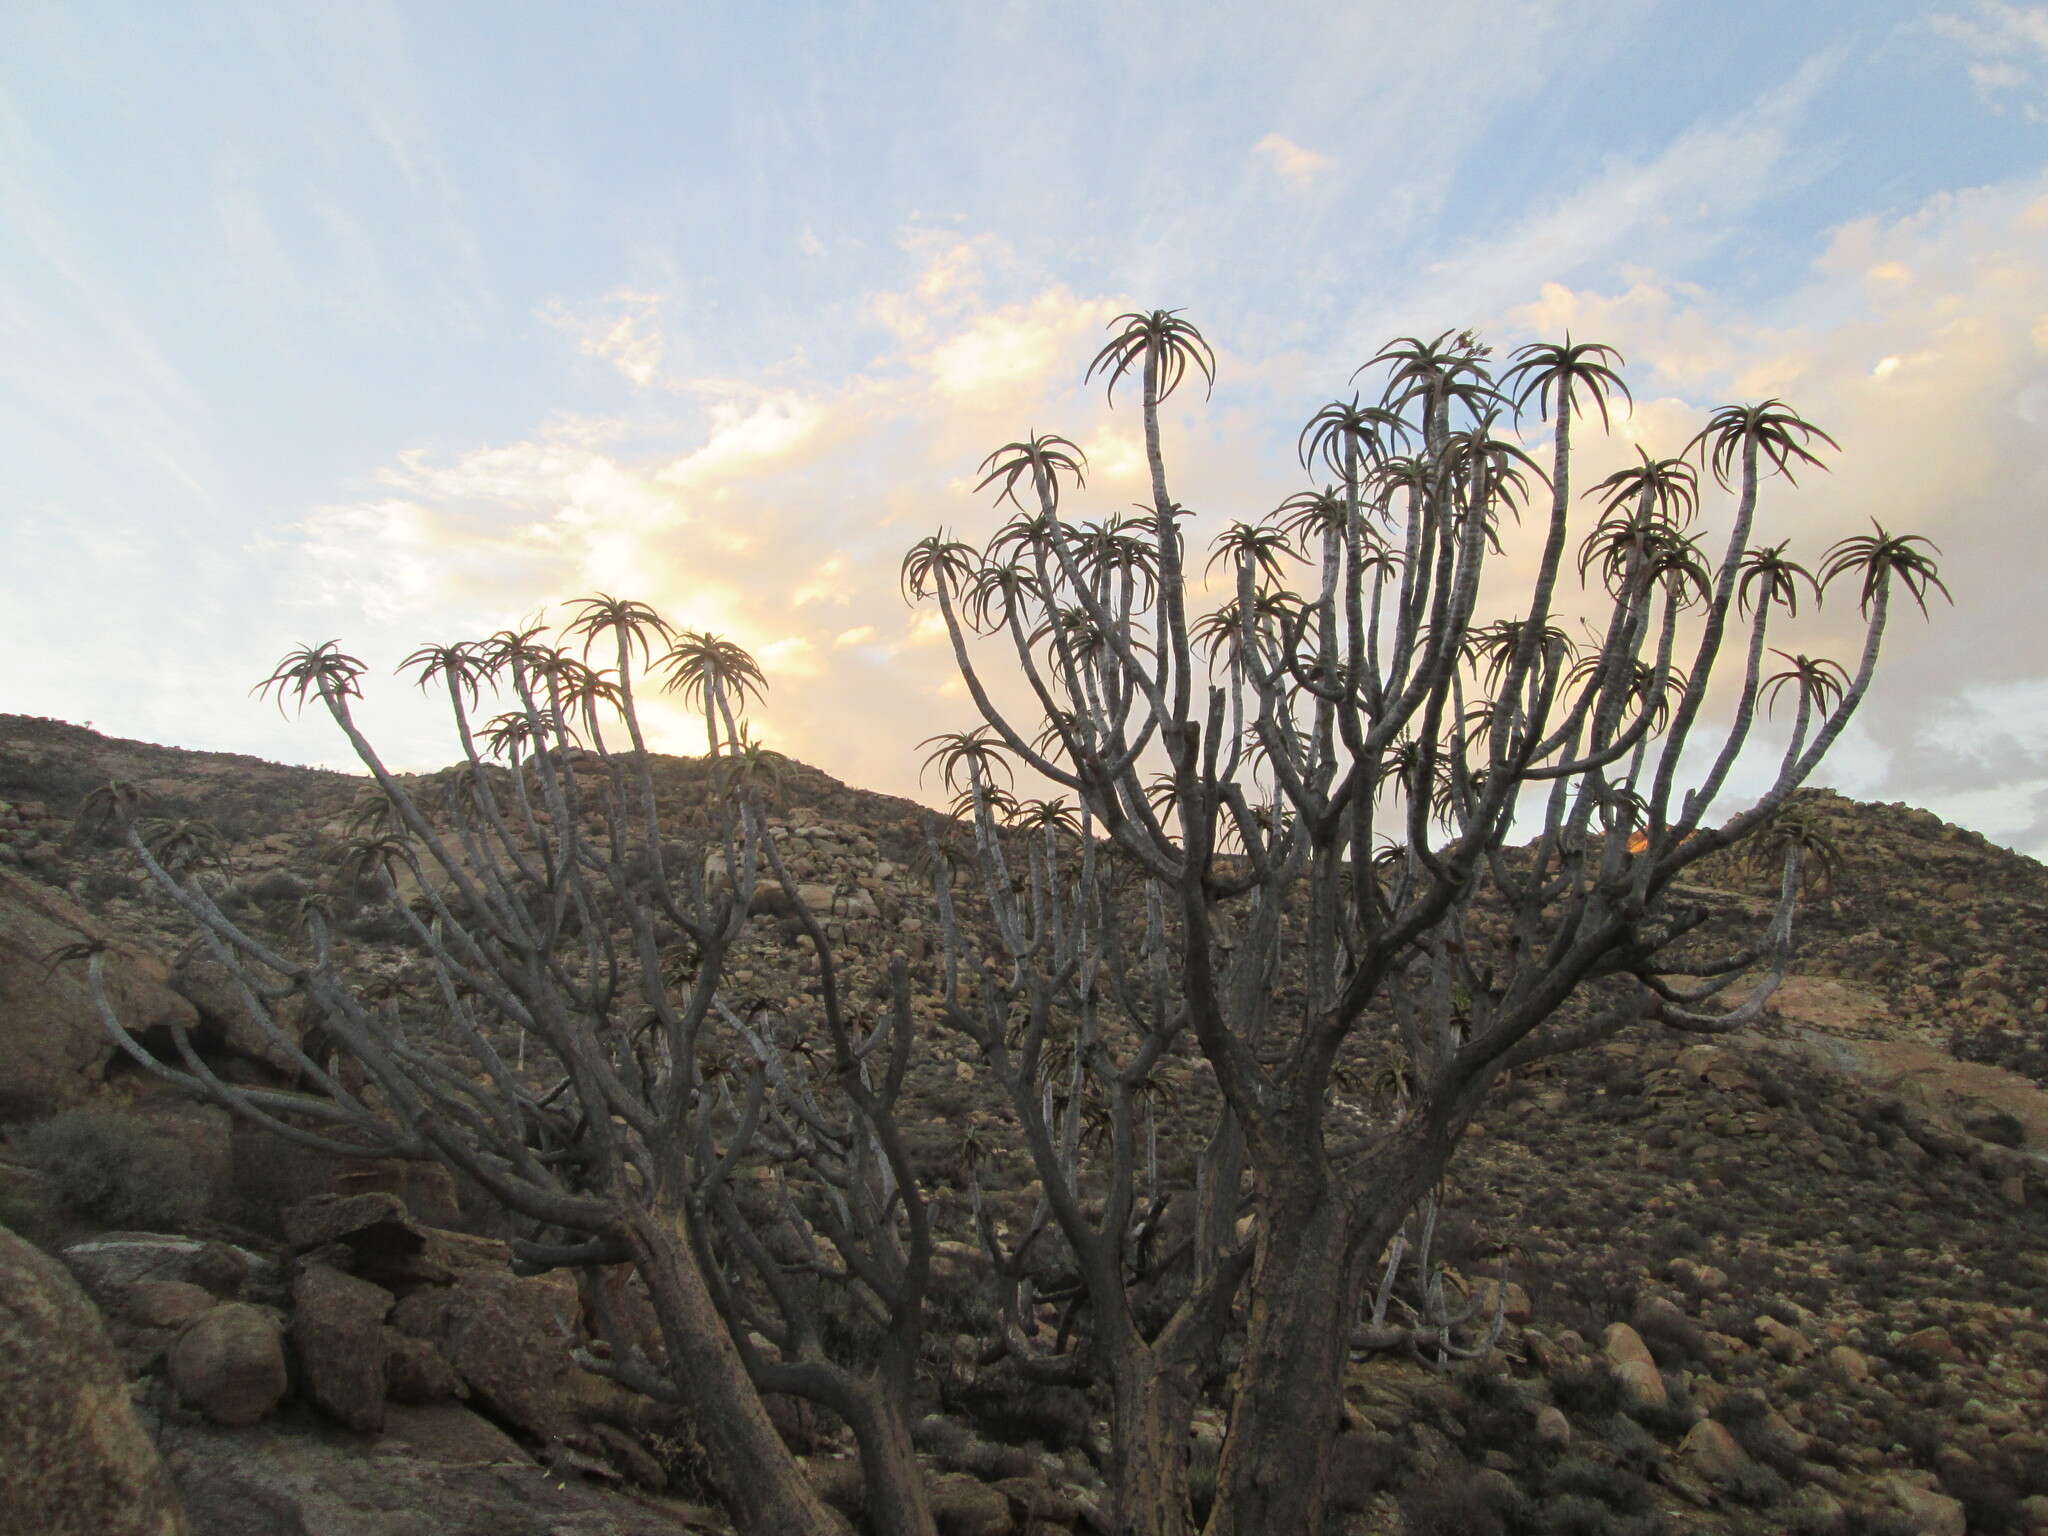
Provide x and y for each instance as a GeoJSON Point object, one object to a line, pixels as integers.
{"type": "Point", "coordinates": [624, 329]}
{"type": "Point", "coordinates": [2005, 49]}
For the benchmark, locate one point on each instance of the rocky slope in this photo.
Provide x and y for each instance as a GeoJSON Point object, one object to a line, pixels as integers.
{"type": "Point", "coordinates": [1784, 1281]}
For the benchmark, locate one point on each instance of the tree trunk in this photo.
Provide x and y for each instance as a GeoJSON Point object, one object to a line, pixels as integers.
{"type": "Point", "coordinates": [1288, 1401]}
{"type": "Point", "coordinates": [1314, 1238]}
{"type": "Point", "coordinates": [764, 1487]}
{"type": "Point", "coordinates": [897, 1504]}
{"type": "Point", "coordinates": [1154, 1405]}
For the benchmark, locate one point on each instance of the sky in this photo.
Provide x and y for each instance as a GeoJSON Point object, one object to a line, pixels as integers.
{"type": "Point", "coordinates": [406, 323]}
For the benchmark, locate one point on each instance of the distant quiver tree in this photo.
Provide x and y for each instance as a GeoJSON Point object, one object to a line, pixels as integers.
{"type": "Point", "coordinates": [554, 904]}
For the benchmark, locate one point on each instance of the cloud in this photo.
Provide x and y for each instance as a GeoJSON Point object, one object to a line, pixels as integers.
{"type": "Point", "coordinates": [623, 329]}
{"type": "Point", "coordinates": [2006, 51]}
{"type": "Point", "coordinates": [1017, 349]}
{"type": "Point", "coordinates": [777, 513]}
{"type": "Point", "coordinates": [1920, 345]}
{"type": "Point", "coordinates": [1300, 168]}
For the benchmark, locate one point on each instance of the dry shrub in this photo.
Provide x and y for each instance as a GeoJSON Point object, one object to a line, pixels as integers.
{"type": "Point", "coordinates": [118, 1170]}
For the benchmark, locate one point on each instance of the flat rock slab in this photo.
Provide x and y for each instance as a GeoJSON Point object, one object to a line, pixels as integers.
{"type": "Point", "coordinates": [305, 1479]}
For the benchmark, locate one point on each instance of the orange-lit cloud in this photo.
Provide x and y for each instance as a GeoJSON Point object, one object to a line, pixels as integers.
{"type": "Point", "coordinates": [1298, 167]}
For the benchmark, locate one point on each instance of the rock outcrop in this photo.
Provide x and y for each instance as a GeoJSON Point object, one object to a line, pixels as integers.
{"type": "Point", "coordinates": [51, 1037]}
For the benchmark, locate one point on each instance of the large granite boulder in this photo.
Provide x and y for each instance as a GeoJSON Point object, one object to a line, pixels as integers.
{"type": "Point", "coordinates": [509, 1339]}
{"type": "Point", "coordinates": [74, 1459]}
{"type": "Point", "coordinates": [224, 1016]}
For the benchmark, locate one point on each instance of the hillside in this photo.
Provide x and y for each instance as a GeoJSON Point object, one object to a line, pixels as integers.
{"type": "Point", "coordinates": [1831, 1232]}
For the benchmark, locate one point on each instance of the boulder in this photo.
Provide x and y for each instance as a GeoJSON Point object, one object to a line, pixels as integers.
{"type": "Point", "coordinates": [339, 1334]}
{"type": "Point", "coordinates": [1633, 1365]}
{"type": "Point", "coordinates": [76, 1458]}
{"type": "Point", "coordinates": [51, 1037]}
{"type": "Point", "coordinates": [166, 1303]}
{"type": "Point", "coordinates": [966, 1506]}
{"type": "Point", "coordinates": [224, 1019]}
{"type": "Point", "coordinates": [1933, 1514]}
{"type": "Point", "coordinates": [1513, 1301]}
{"type": "Point", "coordinates": [416, 1371]}
{"type": "Point", "coordinates": [509, 1339]}
{"type": "Point", "coordinates": [230, 1364]}
{"type": "Point", "coordinates": [108, 1265]}
{"type": "Point", "coordinates": [1851, 1365]}
{"type": "Point", "coordinates": [386, 1245]}
{"type": "Point", "coordinates": [1711, 1451]}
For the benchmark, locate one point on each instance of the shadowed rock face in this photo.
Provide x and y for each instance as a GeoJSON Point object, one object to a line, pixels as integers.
{"type": "Point", "coordinates": [74, 1459]}
{"type": "Point", "coordinates": [56, 1048]}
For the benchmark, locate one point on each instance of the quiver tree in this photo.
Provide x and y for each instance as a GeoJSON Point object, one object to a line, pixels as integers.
{"type": "Point", "coordinates": [1059, 970]}
{"type": "Point", "coordinates": [1310, 788]}
{"type": "Point", "coordinates": [581, 1056]}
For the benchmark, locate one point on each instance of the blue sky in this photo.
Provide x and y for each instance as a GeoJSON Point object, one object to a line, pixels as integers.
{"type": "Point", "coordinates": [399, 322]}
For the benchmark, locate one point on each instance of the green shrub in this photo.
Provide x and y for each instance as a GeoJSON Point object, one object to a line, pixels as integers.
{"type": "Point", "coordinates": [117, 1169]}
